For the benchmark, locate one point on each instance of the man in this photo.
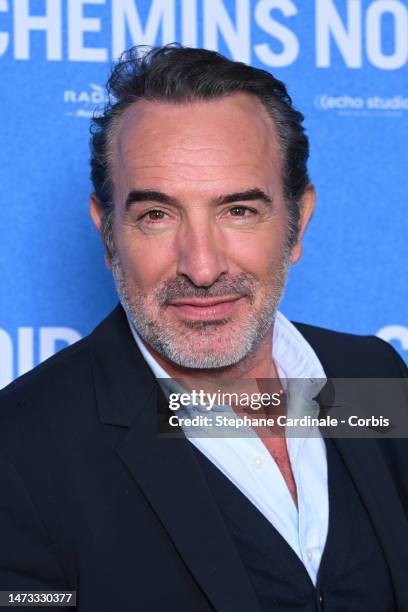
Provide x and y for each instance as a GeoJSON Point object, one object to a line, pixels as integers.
{"type": "Point", "coordinates": [202, 197]}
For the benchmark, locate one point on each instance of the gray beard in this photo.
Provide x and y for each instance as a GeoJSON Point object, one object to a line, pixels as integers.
{"type": "Point", "coordinates": [182, 349]}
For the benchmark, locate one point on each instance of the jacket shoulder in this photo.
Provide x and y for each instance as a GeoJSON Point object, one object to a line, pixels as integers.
{"type": "Point", "coordinates": [351, 355]}
{"type": "Point", "coordinates": [52, 379]}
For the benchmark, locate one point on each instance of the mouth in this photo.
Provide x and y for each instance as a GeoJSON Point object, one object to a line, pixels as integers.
{"type": "Point", "coordinates": [206, 309]}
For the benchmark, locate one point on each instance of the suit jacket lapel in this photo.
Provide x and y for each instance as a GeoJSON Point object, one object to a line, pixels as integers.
{"type": "Point", "coordinates": [165, 469]}
{"type": "Point", "coordinates": [168, 473]}
{"type": "Point", "coordinates": [171, 478]}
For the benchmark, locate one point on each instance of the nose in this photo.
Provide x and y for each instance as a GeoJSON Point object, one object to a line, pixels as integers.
{"type": "Point", "coordinates": [201, 255]}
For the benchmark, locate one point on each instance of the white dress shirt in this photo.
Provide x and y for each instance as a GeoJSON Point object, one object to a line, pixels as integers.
{"type": "Point", "coordinates": [250, 466]}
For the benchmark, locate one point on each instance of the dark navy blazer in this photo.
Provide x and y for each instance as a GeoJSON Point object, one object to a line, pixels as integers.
{"type": "Point", "coordinates": [93, 500]}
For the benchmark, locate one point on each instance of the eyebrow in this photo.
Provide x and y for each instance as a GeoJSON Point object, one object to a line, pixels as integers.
{"type": "Point", "coordinates": [149, 195]}
{"type": "Point", "coordinates": [245, 196]}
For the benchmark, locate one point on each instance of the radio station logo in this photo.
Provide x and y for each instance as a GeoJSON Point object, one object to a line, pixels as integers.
{"type": "Point", "coordinates": [85, 103]}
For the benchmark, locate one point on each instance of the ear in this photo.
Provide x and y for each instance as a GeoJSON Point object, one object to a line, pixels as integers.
{"type": "Point", "coordinates": [307, 205]}
{"type": "Point", "coordinates": [96, 211]}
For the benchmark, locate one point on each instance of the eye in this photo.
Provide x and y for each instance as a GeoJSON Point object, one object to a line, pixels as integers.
{"type": "Point", "coordinates": [154, 219]}
{"type": "Point", "coordinates": [241, 211]}
{"type": "Point", "coordinates": [154, 215]}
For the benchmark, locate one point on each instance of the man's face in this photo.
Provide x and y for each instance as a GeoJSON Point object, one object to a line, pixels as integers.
{"type": "Point", "coordinates": [200, 227]}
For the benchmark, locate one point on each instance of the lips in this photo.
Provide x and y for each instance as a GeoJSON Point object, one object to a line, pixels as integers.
{"type": "Point", "coordinates": [206, 309]}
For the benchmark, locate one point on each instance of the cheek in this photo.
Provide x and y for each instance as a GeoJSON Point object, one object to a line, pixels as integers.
{"type": "Point", "coordinates": [145, 263]}
{"type": "Point", "coordinates": [260, 254]}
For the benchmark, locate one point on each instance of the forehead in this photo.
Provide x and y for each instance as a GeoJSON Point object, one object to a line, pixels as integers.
{"type": "Point", "coordinates": [203, 142]}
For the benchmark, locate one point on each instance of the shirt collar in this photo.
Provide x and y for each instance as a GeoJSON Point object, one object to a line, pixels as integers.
{"type": "Point", "coordinates": [299, 369]}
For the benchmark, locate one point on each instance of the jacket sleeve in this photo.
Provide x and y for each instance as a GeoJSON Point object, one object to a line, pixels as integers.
{"type": "Point", "coordinates": [27, 559]}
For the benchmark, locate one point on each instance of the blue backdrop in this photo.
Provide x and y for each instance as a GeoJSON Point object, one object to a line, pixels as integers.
{"type": "Point", "coordinates": [345, 63]}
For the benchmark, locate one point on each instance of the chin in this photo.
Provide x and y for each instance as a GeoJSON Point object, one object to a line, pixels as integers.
{"type": "Point", "coordinates": [205, 361]}
{"type": "Point", "coordinates": [205, 354]}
